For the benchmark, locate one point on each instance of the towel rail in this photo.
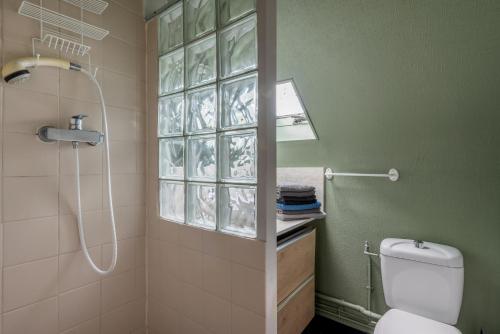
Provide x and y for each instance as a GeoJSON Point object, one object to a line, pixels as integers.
{"type": "Point", "coordinates": [392, 175]}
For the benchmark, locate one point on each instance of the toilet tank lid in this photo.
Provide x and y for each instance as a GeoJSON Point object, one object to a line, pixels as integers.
{"type": "Point", "coordinates": [431, 253]}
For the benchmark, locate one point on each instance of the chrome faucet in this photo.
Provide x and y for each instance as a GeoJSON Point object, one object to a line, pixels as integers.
{"type": "Point", "coordinates": [75, 134]}
{"type": "Point", "coordinates": [418, 243]}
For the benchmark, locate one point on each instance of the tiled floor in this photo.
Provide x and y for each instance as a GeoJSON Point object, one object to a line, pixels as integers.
{"type": "Point", "coordinates": [321, 325]}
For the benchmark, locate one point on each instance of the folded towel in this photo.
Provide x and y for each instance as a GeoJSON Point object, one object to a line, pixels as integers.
{"type": "Point", "coordinates": [284, 217]}
{"type": "Point", "coordinates": [295, 194]}
{"type": "Point", "coordinates": [296, 200]}
{"type": "Point", "coordinates": [298, 207]}
{"type": "Point", "coordinates": [301, 212]}
{"type": "Point", "coordinates": [294, 188]}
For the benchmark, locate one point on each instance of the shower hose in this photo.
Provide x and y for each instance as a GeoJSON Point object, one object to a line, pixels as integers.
{"type": "Point", "coordinates": [81, 229]}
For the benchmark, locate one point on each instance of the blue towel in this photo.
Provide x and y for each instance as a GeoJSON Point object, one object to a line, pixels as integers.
{"type": "Point", "coordinates": [299, 207]}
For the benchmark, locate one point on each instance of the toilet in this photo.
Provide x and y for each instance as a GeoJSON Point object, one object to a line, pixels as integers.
{"type": "Point", "coordinates": [423, 284]}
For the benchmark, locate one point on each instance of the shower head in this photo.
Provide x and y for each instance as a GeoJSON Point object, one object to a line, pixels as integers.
{"type": "Point", "coordinates": [18, 70]}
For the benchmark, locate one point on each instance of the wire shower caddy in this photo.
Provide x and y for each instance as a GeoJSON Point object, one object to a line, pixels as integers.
{"type": "Point", "coordinates": [65, 33]}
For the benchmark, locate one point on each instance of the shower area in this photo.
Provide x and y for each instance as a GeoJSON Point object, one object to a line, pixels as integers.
{"type": "Point", "coordinates": [122, 211]}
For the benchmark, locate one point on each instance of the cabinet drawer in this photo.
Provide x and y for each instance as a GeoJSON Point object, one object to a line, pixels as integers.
{"type": "Point", "coordinates": [295, 313]}
{"type": "Point", "coordinates": [295, 263]}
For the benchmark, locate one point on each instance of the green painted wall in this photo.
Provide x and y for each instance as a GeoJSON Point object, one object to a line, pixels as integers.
{"type": "Point", "coordinates": [413, 85]}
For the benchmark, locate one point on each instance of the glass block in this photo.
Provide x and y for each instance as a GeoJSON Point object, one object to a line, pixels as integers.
{"type": "Point", "coordinates": [238, 48]}
{"type": "Point", "coordinates": [238, 102]}
{"type": "Point", "coordinates": [170, 34]}
{"type": "Point", "coordinates": [171, 72]}
{"type": "Point", "coordinates": [201, 62]}
{"type": "Point", "coordinates": [238, 156]}
{"type": "Point", "coordinates": [171, 115]}
{"type": "Point", "coordinates": [200, 18]}
{"type": "Point", "coordinates": [201, 158]}
{"type": "Point", "coordinates": [237, 210]}
{"type": "Point", "coordinates": [171, 158]}
{"type": "Point", "coordinates": [172, 200]}
{"type": "Point", "coordinates": [201, 205]}
{"type": "Point", "coordinates": [201, 107]}
{"type": "Point", "coordinates": [230, 10]}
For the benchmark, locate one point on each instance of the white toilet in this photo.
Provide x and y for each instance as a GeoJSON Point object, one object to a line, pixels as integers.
{"type": "Point", "coordinates": [423, 284]}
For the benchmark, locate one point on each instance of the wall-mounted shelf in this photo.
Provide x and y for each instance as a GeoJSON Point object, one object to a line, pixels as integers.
{"type": "Point", "coordinates": [55, 19]}
{"type": "Point", "coordinates": [93, 6]}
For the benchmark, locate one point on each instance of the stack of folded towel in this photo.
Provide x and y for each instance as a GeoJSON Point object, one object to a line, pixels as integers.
{"type": "Point", "coordinates": [297, 202]}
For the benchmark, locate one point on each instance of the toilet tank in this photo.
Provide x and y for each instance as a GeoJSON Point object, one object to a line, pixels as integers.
{"type": "Point", "coordinates": [425, 279]}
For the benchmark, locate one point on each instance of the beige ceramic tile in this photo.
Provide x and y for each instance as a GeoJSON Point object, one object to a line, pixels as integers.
{"type": "Point", "coordinates": [117, 290]}
{"type": "Point", "coordinates": [19, 27]}
{"type": "Point", "coordinates": [76, 86]}
{"type": "Point", "coordinates": [130, 221]}
{"type": "Point", "coordinates": [96, 226]}
{"type": "Point", "coordinates": [152, 35]}
{"type": "Point", "coordinates": [132, 5]}
{"type": "Point", "coordinates": [189, 326]}
{"type": "Point", "coordinates": [246, 322]}
{"type": "Point", "coordinates": [248, 288]}
{"type": "Point", "coordinates": [28, 283]}
{"type": "Point", "coordinates": [127, 190]}
{"type": "Point", "coordinates": [120, 90]}
{"type": "Point", "coordinates": [117, 321]}
{"type": "Point", "coordinates": [192, 302]}
{"type": "Point", "coordinates": [91, 193]}
{"type": "Point", "coordinates": [140, 252]}
{"type": "Point", "coordinates": [217, 314]}
{"type": "Point", "coordinates": [123, 157]}
{"type": "Point", "coordinates": [75, 272]}
{"type": "Point", "coordinates": [120, 56]}
{"type": "Point", "coordinates": [26, 155]}
{"type": "Point", "coordinates": [190, 237]}
{"type": "Point", "coordinates": [79, 305]}
{"type": "Point", "coordinates": [125, 258]}
{"type": "Point", "coordinates": [30, 240]}
{"type": "Point", "coordinates": [191, 266]}
{"type": "Point", "coordinates": [140, 283]}
{"type": "Point", "coordinates": [248, 252]}
{"type": "Point", "coordinates": [39, 318]}
{"type": "Point", "coordinates": [121, 23]}
{"type": "Point", "coordinates": [217, 244]}
{"type": "Point", "coordinates": [169, 258]}
{"type": "Point", "coordinates": [25, 111]}
{"type": "Point", "coordinates": [163, 320]}
{"type": "Point", "coordinates": [90, 159]}
{"type": "Point", "coordinates": [88, 327]}
{"type": "Point", "coordinates": [141, 158]}
{"type": "Point", "coordinates": [123, 124]}
{"type": "Point", "coordinates": [29, 197]}
{"type": "Point", "coordinates": [217, 276]}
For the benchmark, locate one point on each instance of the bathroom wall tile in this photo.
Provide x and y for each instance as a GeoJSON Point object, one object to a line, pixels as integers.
{"type": "Point", "coordinates": [91, 159]}
{"type": "Point", "coordinates": [117, 290]}
{"type": "Point", "coordinates": [140, 283]}
{"type": "Point", "coordinates": [118, 321]}
{"type": "Point", "coordinates": [217, 276]}
{"type": "Point", "coordinates": [189, 326]}
{"type": "Point", "coordinates": [122, 124]}
{"type": "Point", "coordinates": [141, 131]}
{"type": "Point", "coordinates": [25, 111]}
{"type": "Point", "coordinates": [250, 253]}
{"type": "Point", "coordinates": [217, 314]}
{"type": "Point", "coordinates": [79, 305]}
{"type": "Point", "coordinates": [120, 90]}
{"type": "Point", "coordinates": [88, 327]}
{"type": "Point", "coordinates": [191, 266]}
{"type": "Point", "coordinates": [29, 197]}
{"type": "Point", "coordinates": [169, 258]}
{"type": "Point", "coordinates": [30, 240]}
{"type": "Point", "coordinates": [246, 322]}
{"type": "Point", "coordinates": [76, 86]}
{"type": "Point", "coordinates": [192, 302]}
{"type": "Point", "coordinates": [132, 5]}
{"type": "Point", "coordinates": [26, 155]}
{"type": "Point", "coordinates": [120, 22]}
{"type": "Point", "coordinates": [130, 221]}
{"type": "Point", "coordinates": [123, 157]}
{"type": "Point", "coordinates": [248, 288]}
{"type": "Point", "coordinates": [96, 226]}
{"type": "Point", "coordinates": [190, 237]}
{"type": "Point", "coordinates": [217, 244]}
{"type": "Point", "coordinates": [120, 56]}
{"type": "Point", "coordinates": [140, 252]}
{"type": "Point", "coordinates": [125, 258]}
{"type": "Point", "coordinates": [75, 272]}
{"type": "Point", "coordinates": [91, 193]}
{"type": "Point", "coordinates": [140, 59]}
{"type": "Point", "coordinates": [152, 36]}
{"type": "Point", "coordinates": [127, 190]}
{"type": "Point", "coordinates": [163, 319]}
{"type": "Point", "coordinates": [39, 318]}
{"type": "Point", "coordinates": [141, 158]}
{"type": "Point", "coordinates": [19, 27]}
{"type": "Point", "coordinates": [28, 283]}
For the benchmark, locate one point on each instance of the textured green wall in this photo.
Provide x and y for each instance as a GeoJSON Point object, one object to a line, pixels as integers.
{"type": "Point", "coordinates": [413, 85]}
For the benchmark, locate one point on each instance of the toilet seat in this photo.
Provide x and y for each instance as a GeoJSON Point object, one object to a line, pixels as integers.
{"type": "Point", "coordinates": [400, 322]}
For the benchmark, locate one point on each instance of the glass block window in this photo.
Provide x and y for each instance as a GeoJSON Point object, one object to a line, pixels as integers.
{"type": "Point", "coordinates": [208, 115]}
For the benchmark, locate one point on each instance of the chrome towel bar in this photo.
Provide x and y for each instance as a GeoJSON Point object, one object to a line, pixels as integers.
{"type": "Point", "coordinates": [392, 175]}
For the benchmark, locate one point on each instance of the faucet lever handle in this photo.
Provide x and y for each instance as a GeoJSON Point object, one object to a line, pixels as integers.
{"type": "Point", "coordinates": [79, 116]}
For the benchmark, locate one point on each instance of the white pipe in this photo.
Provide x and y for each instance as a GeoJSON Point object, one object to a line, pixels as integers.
{"type": "Point", "coordinates": [352, 306]}
{"type": "Point", "coordinates": [110, 195]}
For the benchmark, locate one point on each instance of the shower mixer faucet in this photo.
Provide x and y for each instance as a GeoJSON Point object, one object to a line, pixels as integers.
{"type": "Point", "coordinates": [74, 134]}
